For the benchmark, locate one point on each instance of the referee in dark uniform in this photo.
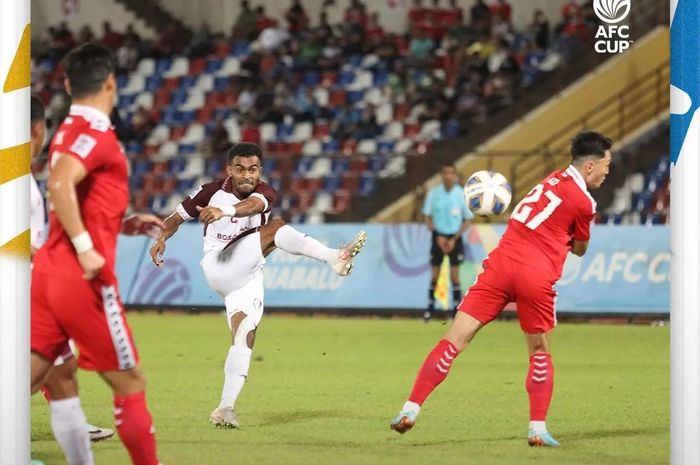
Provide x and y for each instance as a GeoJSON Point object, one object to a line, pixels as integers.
{"type": "Point", "coordinates": [447, 217]}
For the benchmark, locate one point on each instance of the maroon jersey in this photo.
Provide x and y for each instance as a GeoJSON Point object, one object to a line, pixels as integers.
{"type": "Point", "coordinates": [103, 195]}
{"type": "Point", "coordinates": [543, 224]}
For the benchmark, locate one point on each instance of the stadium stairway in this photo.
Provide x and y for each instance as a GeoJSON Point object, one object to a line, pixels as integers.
{"type": "Point", "coordinates": [154, 14]}
{"type": "Point", "coordinates": [617, 97]}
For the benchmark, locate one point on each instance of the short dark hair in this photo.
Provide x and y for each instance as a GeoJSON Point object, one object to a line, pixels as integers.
{"type": "Point", "coordinates": [37, 110]}
{"type": "Point", "coordinates": [589, 144]}
{"type": "Point", "coordinates": [87, 67]}
{"type": "Point", "coordinates": [244, 149]}
{"type": "Point", "coordinates": [448, 165]}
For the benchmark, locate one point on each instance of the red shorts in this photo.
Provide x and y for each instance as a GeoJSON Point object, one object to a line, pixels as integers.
{"type": "Point", "coordinates": [89, 312]}
{"type": "Point", "coordinates": [505, 280]}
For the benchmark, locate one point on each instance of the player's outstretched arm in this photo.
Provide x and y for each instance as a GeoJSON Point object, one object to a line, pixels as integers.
{"type": "Point", "coordinates": [67, 173]}
{"type": "Point", "coordinates": [250, 206]}
{"type": "Point", "coordinates": [144, 224]}
{"type": "Point", "coordinates": [170, 227]}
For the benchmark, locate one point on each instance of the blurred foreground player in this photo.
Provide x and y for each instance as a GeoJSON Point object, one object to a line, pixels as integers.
{"type": "Point", "coordinates": [237, 237]}
{"type": "Point", "coordinates": [74, 286]}
{"type": "Point", "coordinates": [552, 220]}
{"type": "Point", "coordinates": [61, 382]}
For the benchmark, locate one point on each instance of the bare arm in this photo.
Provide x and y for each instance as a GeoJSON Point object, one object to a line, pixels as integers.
{"type": "Point", "coordinates": [579, 247]}
{"type": "Point", "coordinates": [250, 206]}
{"type": "Point", "coordinates": [465, 225]}
{"type": "Point", "coordinates": [65, 175]}
{"type": "Point", "coordinates": [429, 223]}
{"type": "Point", "coordinates": [170, 227]}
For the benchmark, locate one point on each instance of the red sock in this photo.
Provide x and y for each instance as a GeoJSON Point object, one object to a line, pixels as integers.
{"type": "Point", "coordinates": [539, 385]}
{"type": "Point", "coordinates": [47, 394]}
{"type": "Point", "coordinates": [433, 371]}
{"type": "Point", "coordinates": [135, 428]}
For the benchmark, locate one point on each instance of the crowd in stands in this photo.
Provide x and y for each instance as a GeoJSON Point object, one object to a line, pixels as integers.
{"type": "Point", "coordinates": [350, 82]}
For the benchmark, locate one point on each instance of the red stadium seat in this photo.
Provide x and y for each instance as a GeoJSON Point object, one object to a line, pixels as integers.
{"type": "Point", "coordinates": [329, 78]}
{"type": "Point", "coordinates": [305, 199]}
{"type": "Point", "coordinates": [150, 150]}
{"type": "Point", "coordinates": [349, 147]}
{"type": "Point", "coordinates": [350, 181]}
{"type": "Point", "coordinates": [159, 168]}
{"type": "Point", "coordinates": [177, 132]}
{"type": "Point", "coordinates": [411, 129]}
{"type": "Point", "coordinates": [222, 49]}
{"type": "Point", "coordinates": [314, 184]}
{"type": "Point", "coordinates": [169, 184]}
{"type": "Point", "coordinates": [336, 98]}
{"type": "Point", "coordinates": [197, 66]}
{"type": "Point", "coordinates": [341, 201]}
{"type": "Point", "coordinates": [321, 129]}
{"type": "Point", "coordinates": [140, 200]}
{"type": "Point", "coordinates": [358, 164]}
{"type": "Point", "coordinates": [401, 111]}
{"type": "Point", "coordinates": [205, 115]}
{"type": "Point", "coordinates": [170, 85]}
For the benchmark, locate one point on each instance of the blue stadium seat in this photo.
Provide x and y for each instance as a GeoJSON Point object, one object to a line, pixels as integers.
{"type": "Point", "coordinates": [187, 149]}
{"type": "Point", "coordinates": [355, 60]}
{"type": "Point", "coordinates": [122, 81]}
{"type": "Point", "coordinates": [125, 101]}
{"type": "Point", "coordinates": [331, 183]}
{"type": "Point", "coordinates": [367, 182]}
{"type": "Point", "coordinates": [450, 129]}
{"type": "Point", "coordinates": [385, 147]}
{"type": "Point", "coordinates": [185, 185]}
{"type": "Point", "coordinates": [177, 165]}
{"type": "Point", "coordinates": [354, 96]}
{"type": "Point", "coordinates": [179, 97]}
{"type": "Point", "coordinates": [330, 147]}
{"type": "Point", "coordinates": [188, 117]}
{"type": "Point", "coordinates": [311, 78]}
{"type": "Point", "coordinates": [380, 78]}
{"type": "Point", "coordinates": [187, 82]}
{"type": "Point", "coordinates": [157, 202]}
{"type": "Point", "coordinates": [134, 147]}
{"type": "Point", "coordinates": [346, 78]}
{"type": "Point", "coordinates": [213, 167]}
{"type": "Point", "coordinates": [340, 165]}
{"type": "Point", "coordinates": [163, 65]}
{"type": "Point", "coordinates": [153, 83]}
{"type": "Point", "coordinates": [140, 167]}
{"type": "Point", "coordinates": [284, 131]}
{"type": "Point", "coordinates": [240, 48]}
{"type": "Point", "coordinates": [269, 165]}
{"type": "Point", "coordinates": [304, 165]}
{"type": "Point", "coordinates": [214, 65]}
{"type": "Point", "coordinates": [221, 83]}
{"type": "Point", "coordinates": [223, 113]}
{"type": "Point", "coordinates": [375, 164]}
{"type": "Point", "coordinates": [275, 182]}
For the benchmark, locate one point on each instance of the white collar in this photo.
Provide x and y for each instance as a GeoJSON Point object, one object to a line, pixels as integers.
{"type": "Point", "coordinates": [90, 114]}
{"type": "Point", "coordinates": [575, 174]}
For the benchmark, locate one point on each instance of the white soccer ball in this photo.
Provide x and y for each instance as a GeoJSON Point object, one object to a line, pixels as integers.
{"type": "Point", "coordinates": [487, 193]}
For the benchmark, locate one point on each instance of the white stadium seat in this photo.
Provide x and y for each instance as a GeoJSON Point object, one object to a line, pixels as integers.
{"type": "Point", "coordinates": [180, 67]}
{"type": "Point", "coordinates": [302, 131]}
{"type": "Point", "coordinates": [321, 167]}
{"type": "Point", "coordinates": [367, 146]}
{"type": "Point", "coordinates": [393, 130]}
{"type": "Point", "coordinates": [205, 83]}
{"type": "Point", "coordinates": [321, 96]}
{"type": "Point", "coordinates": [146, 67]}
{"type": "Point", "coordinates": [312, 148]}
{"type": "Point", "coordinates": [230, 67]}
{"type": "Point", "coordinates": [195, 100]}
{"type": "Point", "coordinates": [194, 135]}
{"type": "Point", "coordinates": [144, 99]}
{"type": "Point", "coordinates": [160, 134]}
{"type": "Point", "coordinates": [136, 85]}
{"type": "Point", "coordinates": [323, 202]}
{"type": "Point", "coordinates": [268, 132]}
{"type": "Point", "coordinates": [194, 169]}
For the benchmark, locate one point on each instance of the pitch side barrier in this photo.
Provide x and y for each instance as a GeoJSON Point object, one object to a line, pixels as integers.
{"type": "Point", "coordinates": [624, 274]}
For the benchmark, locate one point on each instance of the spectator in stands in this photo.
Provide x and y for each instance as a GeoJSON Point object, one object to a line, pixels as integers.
{"type": "Point", "coordinates": [345, 123]}
{"type": "Point", "coordinates": [421, 46]}
{"type": "Point", "coordinates": [502, 9]}
{"type": "Point", "coordinates": [171, 41]}
{"type": "Point", "coordinates": [111, 38]}
{"type": "Point", "coordinates": [539, 30]}
{"type": "Point", "coordinates": [569, 8]}
{"type": "Point", "coordinates": [262, 21]}
{"type": "Point", "coordinates": [85, 34]}
{"type": "Point", "coordinates": [324, 30]}
{"type": "Point", "coordinates": [417, 15]}
{"type": "Point", "coordinates": [373, 30]}
{"type": "Point", "coordinates": [62, 40]}
{"type": "Point", "coordinates": [452, 16]}
{"type": "Point", "coordinates": [127, 56]}
{"type": "Point", "coordinates": [250, 131]}
{"type": "Point", "coordinates": [202, 43]}
{"type": "Point", "coordinates": [219, 141]}
{"type": "Point", "coordinates": [244, 27]}
{"type": "Point", "coordinates": [272, 37]}
{"type": "Point", "coordinates": [131, 33]}
{"type": "Point", "coordinates": [367, 126]}
{"type": "Point", "coordinates": [331, 55]}
{"type": "Point", "coordinates": [141, 125]}
{"type": "Point", "coordinates": [305, 106]}
{"type": "Point", "coordinates": [296, 17]}
{"type": "Point", "coordinates": [356, 14]}
{"type": "Point", "coordinates": [480, 12]}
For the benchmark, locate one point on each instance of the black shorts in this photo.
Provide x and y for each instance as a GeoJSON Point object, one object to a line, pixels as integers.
{"type": "Point", "coordinates": [437, 255]}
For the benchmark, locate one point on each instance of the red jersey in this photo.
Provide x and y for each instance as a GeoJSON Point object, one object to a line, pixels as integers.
{"type": "Point", "coordinates": [103, 195]}
{"type": "Point", "coordinates": [543, 224]}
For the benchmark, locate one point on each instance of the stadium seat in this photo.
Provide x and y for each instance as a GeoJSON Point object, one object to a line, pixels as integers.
{"type": "Point", "coordinates": [268, 132]}
{"type": "Point", "coordinates": [146, 67]}
{"type": "Point", "coordinates": [312, 148]}
{"type": "Point", "coordinates": [230, 67]}
{"type": "Point", "coordinates": [320, 168]}
{"type": "Point", "coordinates": [341, 201]}
{"type": "Point", "coordinates": [180, 67]}
{"type": "Point", "coordinates": [367, 146]}
{"type": "Point", "coordinates": [366, 184]}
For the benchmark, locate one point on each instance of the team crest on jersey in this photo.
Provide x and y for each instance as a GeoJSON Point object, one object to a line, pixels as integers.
{"type": "Point", "coordinates": [83, 145]}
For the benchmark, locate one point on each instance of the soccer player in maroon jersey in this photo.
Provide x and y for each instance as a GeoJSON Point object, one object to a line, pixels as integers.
{"type": "Point", "coordinates": [552, 220]}
{"type": "Point", "coordinates": [74, 286]}
{"type": "Point", "coordinates": [238, 235]}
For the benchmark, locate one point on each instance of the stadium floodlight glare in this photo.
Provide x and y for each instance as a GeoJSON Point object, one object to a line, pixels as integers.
{"type": "Point", "coordinates": [685, 247]}
{"type": "Point", "coordinates": [14, 232]}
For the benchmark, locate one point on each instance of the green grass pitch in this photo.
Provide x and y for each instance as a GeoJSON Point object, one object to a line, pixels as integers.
{"type": "Point", "coordinates": [322, 391]}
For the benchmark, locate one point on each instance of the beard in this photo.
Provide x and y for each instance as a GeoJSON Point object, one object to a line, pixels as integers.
{"type": "Point", "coordinates": [245, 188]}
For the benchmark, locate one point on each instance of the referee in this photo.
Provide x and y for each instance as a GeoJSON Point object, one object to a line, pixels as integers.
{"type": "Point", "coordinates": [447, 216]}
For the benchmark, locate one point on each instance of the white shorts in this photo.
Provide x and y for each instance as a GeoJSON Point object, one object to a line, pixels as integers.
{"type": "Point", "coordinates": [229, 270]}
{"type": "Point", "coordinates": [248, 299]}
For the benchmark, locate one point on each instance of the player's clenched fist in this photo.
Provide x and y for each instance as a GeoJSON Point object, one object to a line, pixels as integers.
{"type": "Point", "coordinates": [157, 251]}
{"type": "Point", "coordinates": [208, 215]}
{"type": "Point", "coordinates": [92, 262]}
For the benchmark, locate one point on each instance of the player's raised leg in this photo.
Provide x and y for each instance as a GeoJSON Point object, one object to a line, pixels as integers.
{"type": "Point", "coordinates": [290, 240]}
{"type": "Point", "coordinates": [435, 368]}
{"type": "Point", "coordinates": [244, 309]}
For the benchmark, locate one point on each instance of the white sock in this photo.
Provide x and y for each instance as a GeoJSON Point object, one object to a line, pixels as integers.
{"type": "Point", "coordinates": [235, 374]}
{"type": "Point", "coordinates": [68, 424]}
{"type": "Point", "coordinates": [292, 241]}
{"type": "Point", "coordinates": [411, 407]}
{"type": "Point", "coordinates": [538, 426]}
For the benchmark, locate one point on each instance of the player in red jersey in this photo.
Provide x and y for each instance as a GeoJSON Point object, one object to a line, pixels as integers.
{"type": "Point", "coordinates": [552, 220]}
{"type": "Point", "coordinates": [74, 287]}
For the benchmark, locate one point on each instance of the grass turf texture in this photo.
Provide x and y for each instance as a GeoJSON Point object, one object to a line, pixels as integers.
{"type": "Point", "coordinates": [323, 390]}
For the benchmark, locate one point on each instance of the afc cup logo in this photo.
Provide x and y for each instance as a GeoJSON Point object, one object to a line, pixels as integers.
{"type": "Point", "coordinates": [611, 38]}
{"type": "Point", "coordinates": [611, 11]}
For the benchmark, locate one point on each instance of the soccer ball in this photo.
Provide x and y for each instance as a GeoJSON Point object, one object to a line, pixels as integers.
{"type": "Point", "coordinates": [487, 193]}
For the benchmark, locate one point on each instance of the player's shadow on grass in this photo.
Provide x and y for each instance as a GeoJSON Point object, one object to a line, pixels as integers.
{"type": "Point", "coordinates": [570, 438]}
{"type": "Point", "coordinates": [283, 418]}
